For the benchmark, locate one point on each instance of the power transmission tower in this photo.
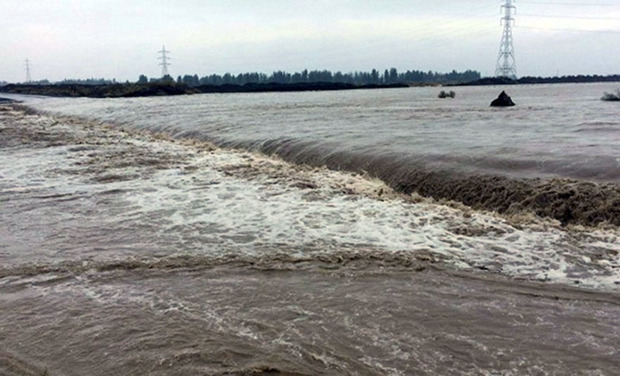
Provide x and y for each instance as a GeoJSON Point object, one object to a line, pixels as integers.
{"type": "Point", "coordinates": [506, 66]}
{"type": "Point", "coordinates": [164, 61]}
{"type": "Point", "coordinates": [27, 65]}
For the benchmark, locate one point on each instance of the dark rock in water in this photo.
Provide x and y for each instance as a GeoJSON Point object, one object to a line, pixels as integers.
{"type": "Point", "coordinates": [502, 101]}
{"type": "Point", "coordinates": [612, 97]}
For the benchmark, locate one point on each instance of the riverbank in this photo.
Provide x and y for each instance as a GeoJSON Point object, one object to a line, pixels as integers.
{"type": "Point", "coordinates": [162, 89]}
{"type": "Point", "coordinates": [528, 80]}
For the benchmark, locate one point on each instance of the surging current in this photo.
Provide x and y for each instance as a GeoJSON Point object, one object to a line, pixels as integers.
{"type": "Point", "coordinates": [358, 232]}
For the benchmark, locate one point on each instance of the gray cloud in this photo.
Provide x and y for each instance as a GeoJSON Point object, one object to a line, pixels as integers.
{"type": "Point", "coordinates": [119, 39]}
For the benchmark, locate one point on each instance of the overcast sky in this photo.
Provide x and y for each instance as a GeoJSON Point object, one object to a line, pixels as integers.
{"type": "Point", "coordinates": [120, 38]}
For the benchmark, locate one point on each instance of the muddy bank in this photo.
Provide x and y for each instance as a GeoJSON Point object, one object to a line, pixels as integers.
{"type": "Point", "coordinates": [164, 89]}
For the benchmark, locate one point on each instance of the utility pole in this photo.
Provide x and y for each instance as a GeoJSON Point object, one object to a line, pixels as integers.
{"type": "Point", "coordinates": [164, 61]}
{"type": "Point", "coordinates": [506, 65]}
{"type": "Point", "coordinates": [27, 65]}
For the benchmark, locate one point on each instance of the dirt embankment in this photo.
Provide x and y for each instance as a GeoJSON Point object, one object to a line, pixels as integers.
{"type": "Point", "coordinates": [161, 89]}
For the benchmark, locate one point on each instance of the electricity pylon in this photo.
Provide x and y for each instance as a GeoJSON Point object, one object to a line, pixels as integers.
{"type": "Point", "coordinates": [164, 61]}
{"type": "Point", "coordinates": [506, 65]}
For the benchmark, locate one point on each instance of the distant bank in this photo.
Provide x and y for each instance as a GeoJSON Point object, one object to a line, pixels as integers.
{"type": "Point", "coordinates": [128, 90]}
{"type": "Point", "coordinates": [542, 80]}
{"type": "Point", "coordinates": [163, 89]}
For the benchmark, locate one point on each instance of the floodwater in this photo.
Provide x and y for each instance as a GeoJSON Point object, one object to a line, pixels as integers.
{"type": "Point", "coordinates": [298, 234]}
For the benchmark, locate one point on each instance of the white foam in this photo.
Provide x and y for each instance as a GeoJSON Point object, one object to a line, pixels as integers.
{"type": "Point", "coordinates": [259, 215]}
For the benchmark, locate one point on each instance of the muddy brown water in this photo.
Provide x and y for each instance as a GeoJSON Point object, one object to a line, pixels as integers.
{"type": "Point", "coordinates": [238, 320]}
{"type": "Point", "coordinates": [117, 260]}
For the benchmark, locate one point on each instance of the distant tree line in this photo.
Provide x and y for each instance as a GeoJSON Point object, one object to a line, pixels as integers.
{"type": "Point", "coordinates": [374, 77]}
{"type": "Point", "coordinates": [87, 81]}
{"type": "Point", "coordinates": [545, 80]}
{"type": "Point", "coordinates": [38, 82]}
{"type": "Point", "coordinates": [568, 79]}
{"type": "Point", "coordinates": [71, 81]}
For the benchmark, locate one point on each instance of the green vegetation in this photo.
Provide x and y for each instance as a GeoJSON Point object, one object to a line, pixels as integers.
{"type": "Point", "coordinates": [374, 77]}
{"type": "Point", "coordinates": [543, 80]}
{"type": "Point", "coordinates": [446, 94]}
{"type": "Point", "coordinates": [245, 82]}
{"type": "Point", "coordinates": [98, 91]}
{"type": "Point", "coordinates": [171, 88]}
